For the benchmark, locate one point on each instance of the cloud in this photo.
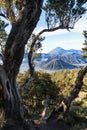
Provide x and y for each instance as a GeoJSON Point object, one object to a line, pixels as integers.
{"type": "Point", "coordinates": [66, 42]}
{"type": "Point", "coordinates": [73, 41]}
{"type": "Point", "coordinates": [80, 27]}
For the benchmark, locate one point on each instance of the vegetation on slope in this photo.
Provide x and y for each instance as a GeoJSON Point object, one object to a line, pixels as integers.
{"type": "Point", "coordinates": [57, 85]}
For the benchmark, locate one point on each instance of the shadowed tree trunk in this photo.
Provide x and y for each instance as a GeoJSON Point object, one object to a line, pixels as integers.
{"type": "Point", "coordinates": [13, 56]}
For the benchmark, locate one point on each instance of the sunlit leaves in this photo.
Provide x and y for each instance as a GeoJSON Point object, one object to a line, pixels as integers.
{"type": "Point", "coordinates": [65, 12]}
{"type": "Point", "coordinates": [38, 44]}
{"type": "Point", "coordinates": [2, 3]}
{"type": "Point", "coordinates": [10, 9]}
{"type": "Point", "coordinates": [38, 90]}
{"type": "Point", "coordinates": [3, 36]}
{"type": "Point", "coordinates": [84, 50]}
{"type": "Point", "coordinates": [57, 85]}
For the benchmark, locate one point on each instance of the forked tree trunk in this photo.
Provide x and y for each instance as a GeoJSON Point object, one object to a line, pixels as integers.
{"type": "Point", "coordinates": [17, 39]}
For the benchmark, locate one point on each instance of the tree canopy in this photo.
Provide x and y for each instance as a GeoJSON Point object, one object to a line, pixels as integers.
{"type": "Point", "coordinates": [23, 16]}
{"type": "Point", "coordinates": [3, 37]}
{"type": "Point", "coordinates": [65, 12]}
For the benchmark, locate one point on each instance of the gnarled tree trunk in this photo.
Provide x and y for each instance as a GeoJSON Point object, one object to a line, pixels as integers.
{"type": "Point", "coordinates": [14, 52]}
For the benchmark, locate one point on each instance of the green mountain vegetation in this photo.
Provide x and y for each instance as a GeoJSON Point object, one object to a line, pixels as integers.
{"type": "Point", "coordinates": [57, 85]}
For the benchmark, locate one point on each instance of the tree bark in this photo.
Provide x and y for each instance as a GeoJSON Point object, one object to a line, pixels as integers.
{"type": "Point", "coordinates": [13, 56]}
{"type": "Point", "coordinates": [65, 104]}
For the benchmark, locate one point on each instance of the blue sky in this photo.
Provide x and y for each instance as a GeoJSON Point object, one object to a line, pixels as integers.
{"type": "Point", "coordinates": [63, 38]}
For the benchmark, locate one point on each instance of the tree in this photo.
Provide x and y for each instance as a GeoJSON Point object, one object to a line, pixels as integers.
{"type": "Point", "coordinates": [22, 27]}
{"type": "Point", "coordinates": [84, 50]}
{"type": "Point", "coordinates": [34, 44]}
{"type": "Point", "coordinates": [24, 16]}
{"type": "Point", "coordinates": [3, 37]}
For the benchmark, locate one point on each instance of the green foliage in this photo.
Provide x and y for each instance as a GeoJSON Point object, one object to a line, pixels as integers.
{"type": "Point", "coordinates": [84, 55]}
{"type": "Point", "coordinates": [84, 50]}
{"type": "Point", "coordinates": [85, 33]}
{"type": "Point", "coordinates": [3, 36]}
{"type": "Point", "coordinates": [57, 85]}
{"type": "Point", "coordinates": [38, 90]}
{"type": "Point", "coordinates": [22, 77]}
{"type": "Point", "coordinates": [65, 12]}
{"type": "Point", "coordinates": [65, 80]}
{"type": "Point", "coordinates": [35, 45]}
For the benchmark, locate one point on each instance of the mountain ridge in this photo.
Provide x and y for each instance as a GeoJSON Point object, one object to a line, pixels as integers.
{"type": "Point", "coordinates": [69, 59]}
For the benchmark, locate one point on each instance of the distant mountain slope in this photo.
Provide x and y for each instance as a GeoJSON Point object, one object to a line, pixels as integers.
{"type": "Point", "coordinates": [56, 64]}
{"type": "Point", "coordinates": [57, 59]}
{"type": "Point", "coordinates": [69, 56]}
{"type": "Point", "coordinates": [57, 50]}
{"type": "Point", "coordinates": [73, 58]}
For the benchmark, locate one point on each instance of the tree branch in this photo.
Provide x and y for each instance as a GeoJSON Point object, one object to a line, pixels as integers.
{"type": "Point", "coordinates": [10, 11]}
{"type": "Point", "coordinates": [19, 35]}
{"type": "Point", "coordinates": [66, 102]}
{"type": "Point", "coordinates": [2, 57]}
{"type": "Point", "coordinates": [49, 30]}
{"type": "Point", "coordinates": [54, 29]}
{"type": "Point", "coordinates": [25, 84]}
{"type": "Point", "coordinates": [3, 15]}
{"type": "Point", "coordinates": [31, 66]}
{"type": "Point", "coordinates": [78, 85]}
